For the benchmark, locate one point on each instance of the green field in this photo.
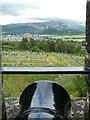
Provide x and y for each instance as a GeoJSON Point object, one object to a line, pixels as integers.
{"type": "Point", "coordinates": [13, 85]}
{"type": "Point", "coordinates": [70, 38]}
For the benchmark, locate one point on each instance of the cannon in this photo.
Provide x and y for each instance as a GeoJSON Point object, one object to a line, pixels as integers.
{"type": "Point", "coordinates": [44, 99]}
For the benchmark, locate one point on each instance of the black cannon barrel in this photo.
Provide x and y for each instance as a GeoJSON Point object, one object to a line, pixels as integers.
{"type": "Point", "coordinates": [44, 99]}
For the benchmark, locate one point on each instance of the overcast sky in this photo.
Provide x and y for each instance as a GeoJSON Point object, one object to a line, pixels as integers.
{"type": "Point", "coordinates": [21, 11]}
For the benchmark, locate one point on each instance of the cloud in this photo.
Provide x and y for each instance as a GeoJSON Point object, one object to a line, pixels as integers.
{"type": "Point", "coordinates": [14, 11]}
{"type": "Point", "coordinates": [16, 8]}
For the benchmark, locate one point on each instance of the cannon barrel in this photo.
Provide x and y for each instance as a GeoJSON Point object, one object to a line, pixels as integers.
{"type": "Point", "coordinates": [44, 99]}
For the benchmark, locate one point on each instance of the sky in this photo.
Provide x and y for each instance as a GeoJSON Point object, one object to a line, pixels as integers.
{"type": "Point", "coordinates": [23, 11]}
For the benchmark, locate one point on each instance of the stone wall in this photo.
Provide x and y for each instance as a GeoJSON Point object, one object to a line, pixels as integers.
{"type": "Point", "coordinates": [87, 58]}
{"type": "Point", "coordinates": [76, 113]}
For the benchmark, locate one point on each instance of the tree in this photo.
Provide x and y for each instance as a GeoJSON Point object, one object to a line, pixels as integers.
{"type": "Point", "coordinates": [51, 45]}
{"type": "Point", "coordinates": [24, 44]}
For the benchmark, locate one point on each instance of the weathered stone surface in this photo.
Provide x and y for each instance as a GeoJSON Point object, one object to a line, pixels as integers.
{"type": "Point", "coordinates": [12, 107]}
{"type": "Point", "coordinates": [87, 61]}
{"type": "Point", "coordinates": [88, 28]}
{"type": "Point", "coordinates": [77, 109]}
{"type": "Point", "coordinates": [0, 97]}
{"type": "Point", "coordinates": [87, 58]}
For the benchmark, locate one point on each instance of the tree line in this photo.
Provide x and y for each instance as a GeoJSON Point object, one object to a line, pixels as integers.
{"type": "Point", "coordinates": [47, 45]}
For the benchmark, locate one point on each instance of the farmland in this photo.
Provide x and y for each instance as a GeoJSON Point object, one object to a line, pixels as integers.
{"type": "Point", "coordinates": [70, 38]}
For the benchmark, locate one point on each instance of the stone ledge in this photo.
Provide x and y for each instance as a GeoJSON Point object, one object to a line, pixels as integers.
{"type": "Point", "coordinates": [77, 109]}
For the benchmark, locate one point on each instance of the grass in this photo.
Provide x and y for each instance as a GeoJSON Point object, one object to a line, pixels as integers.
{"type": "Point", "coordinates": [77, 87]}
{"type": "Point", "coordinates": [13, 85]}
{"type": "Point", "coordinates": [73, 37]}
{"type": "Point", "coordinates": [29, 59]}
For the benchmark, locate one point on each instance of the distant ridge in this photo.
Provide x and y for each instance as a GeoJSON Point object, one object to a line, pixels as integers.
{"type": "Point", "coordinates": [54, 26]}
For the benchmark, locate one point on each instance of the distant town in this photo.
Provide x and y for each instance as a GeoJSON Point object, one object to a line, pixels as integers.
{"type": "Point", "coordinates": [19, 37]}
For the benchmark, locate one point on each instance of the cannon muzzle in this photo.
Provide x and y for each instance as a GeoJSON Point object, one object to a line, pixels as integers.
{"type": "Point", "coordinates": [44, 99]}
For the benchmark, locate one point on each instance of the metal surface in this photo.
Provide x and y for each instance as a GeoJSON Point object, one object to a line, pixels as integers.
{"type": "Point", "coordinates": [44, 99]}
{"type": "Point", "coordinates": [45, 70]}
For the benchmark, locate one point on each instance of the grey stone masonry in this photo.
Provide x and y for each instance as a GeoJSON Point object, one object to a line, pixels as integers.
{"type": "Point", "coordinates": [0, 98]}
{"type": "Point", "coordinates": [76, 113]}
{"type": "Point", "coordinates": [87, 58]}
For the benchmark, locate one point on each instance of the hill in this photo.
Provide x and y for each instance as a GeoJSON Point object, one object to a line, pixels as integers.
{"type": "Point", "coordinates": [54, 26]}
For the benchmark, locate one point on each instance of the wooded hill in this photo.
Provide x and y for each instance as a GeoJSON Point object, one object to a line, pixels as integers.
{"type": "Point", "coordinates": [54, 26]}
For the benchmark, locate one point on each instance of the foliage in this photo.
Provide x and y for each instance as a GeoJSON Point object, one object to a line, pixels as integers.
{"type": "Point", "coordinates": [77, 87]}
{"type": "Point", "coordinates": [46, 45]}
{"type": "Point", "coordinates": [13, 85]}
{"type": "Point", "coordinates": [80, 85]}
{"type": "Point", "coordinates": [24, 44]}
